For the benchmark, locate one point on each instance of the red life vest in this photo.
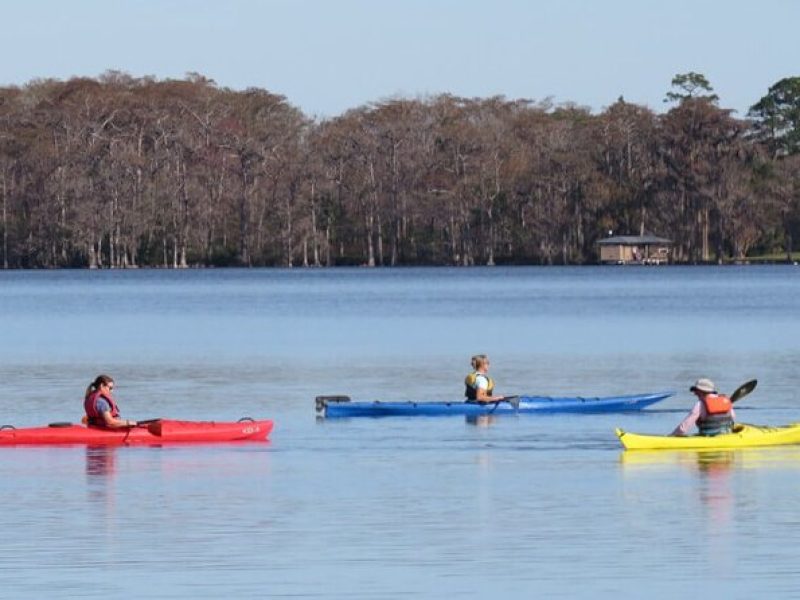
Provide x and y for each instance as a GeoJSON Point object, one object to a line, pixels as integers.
{"type": "Point", "coordinates": [717, 404]}
{"type": "Point", "coordinates": [90, 406]}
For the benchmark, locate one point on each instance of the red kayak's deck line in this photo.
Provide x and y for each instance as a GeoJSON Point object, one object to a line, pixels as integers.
{"type": "Point", "coordinates": [159, 432]}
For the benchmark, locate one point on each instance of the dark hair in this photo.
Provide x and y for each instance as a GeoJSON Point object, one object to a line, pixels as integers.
{"type": "Point", "coordinates": [98, 381]}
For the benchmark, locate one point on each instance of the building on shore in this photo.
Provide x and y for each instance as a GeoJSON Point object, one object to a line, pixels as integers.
{"type": "Point", "coordinates": [634, 250]}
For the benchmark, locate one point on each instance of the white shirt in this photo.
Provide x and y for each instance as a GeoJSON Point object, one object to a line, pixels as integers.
{"type": "Point", "coordinates": [481, 381]}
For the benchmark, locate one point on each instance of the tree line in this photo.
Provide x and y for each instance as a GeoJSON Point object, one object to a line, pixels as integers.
{"type": "Point", "coordinates": [122, 172]}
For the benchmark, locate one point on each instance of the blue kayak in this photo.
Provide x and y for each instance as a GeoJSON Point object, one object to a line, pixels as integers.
{"type": "Point", "coordinates": [342, 406]}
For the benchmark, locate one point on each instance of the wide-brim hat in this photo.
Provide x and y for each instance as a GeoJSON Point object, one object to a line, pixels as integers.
{"type": "Point", "coordinates": [703, 385]}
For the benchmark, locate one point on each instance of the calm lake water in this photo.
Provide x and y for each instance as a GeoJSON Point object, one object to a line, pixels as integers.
{"type": "Point", "coordinates": [520, 507]}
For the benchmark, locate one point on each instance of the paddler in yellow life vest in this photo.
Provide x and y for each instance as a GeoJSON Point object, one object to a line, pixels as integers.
{"type": "Point", "coordinates": [479, 386]}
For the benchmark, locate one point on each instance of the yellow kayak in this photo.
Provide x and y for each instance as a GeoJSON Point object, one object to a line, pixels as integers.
{"type": "Point", "coordinates": [743, 436]}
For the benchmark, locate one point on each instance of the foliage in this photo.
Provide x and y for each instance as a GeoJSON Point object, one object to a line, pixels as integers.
{"type": "Point", "coordinates": [777, 117]}
{"type": "Point", "coordinates": [690, 85]}
{"type": "Point", "coordinates": [125, 172]}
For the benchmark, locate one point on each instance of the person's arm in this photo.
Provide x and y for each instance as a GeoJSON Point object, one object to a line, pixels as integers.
{"type": "Point", "coordinates": [113, 423]}
{"type": "Point", "coordinates": [481, 395]}
{"type": "Point", "coordinates": [688, 422]}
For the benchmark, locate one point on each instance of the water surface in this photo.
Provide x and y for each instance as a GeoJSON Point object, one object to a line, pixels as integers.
{"type": "Point", "coordinates": [517, 507]}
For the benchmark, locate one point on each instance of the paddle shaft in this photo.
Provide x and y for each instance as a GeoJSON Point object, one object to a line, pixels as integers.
{"type": "Point", "coordinates": [512, 400]}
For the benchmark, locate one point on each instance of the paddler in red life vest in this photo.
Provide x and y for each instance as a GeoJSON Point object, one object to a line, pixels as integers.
{"type": "Point", "coordinates": [479, 386]}
{"type": "Point", "coordinates": [712, 413]}
{"type": "Point", "coordinates": [101, 410]}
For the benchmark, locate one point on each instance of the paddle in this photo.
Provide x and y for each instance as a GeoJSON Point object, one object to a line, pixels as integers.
{"type": "Point", "coordinates": [147, 422]}
{"type": "Point", "coordinates": [512, 400]}
{"type": "Point", "coordinates": [743, 390]}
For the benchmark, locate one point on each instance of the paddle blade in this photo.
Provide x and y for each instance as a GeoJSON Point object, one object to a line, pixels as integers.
{"type": "Point", "coordinates": [744, 389]}
{"type": "Point", "coordinates": [513, 401]}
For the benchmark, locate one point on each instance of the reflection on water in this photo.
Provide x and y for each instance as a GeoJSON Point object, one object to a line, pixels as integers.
{"type": "Point", "coordinates": [100, 461]}
{"type": "Point", "coordinates": [712, 461]}
{"type": "Point", "coordinates": [712, 471]}
{"type": "Point", "coordinates": [492, 508]}
{"type": "Point", "coordinates": [102, 492]}
{"type": "Point", "coordinates": [481, 420]}
{"type": "Point", "coordinates": [715, 491]}
{"type": "Point", "coordinates": [709, 500]}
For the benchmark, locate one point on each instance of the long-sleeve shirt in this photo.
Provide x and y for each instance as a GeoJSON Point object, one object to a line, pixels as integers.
{"type": "Point", "coordinates": [698, 411]}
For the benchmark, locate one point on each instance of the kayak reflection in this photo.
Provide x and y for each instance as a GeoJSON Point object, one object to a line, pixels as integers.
{"type": "Point", "coordinates": [713, 460]}
{"type": "Point", "coordinates": [100, 461]}
{"type": "Point", "coordinates": [712, 474]}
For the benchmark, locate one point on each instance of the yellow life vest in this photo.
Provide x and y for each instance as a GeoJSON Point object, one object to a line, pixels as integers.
{"type": "Point", "coordinates": [471, 389]}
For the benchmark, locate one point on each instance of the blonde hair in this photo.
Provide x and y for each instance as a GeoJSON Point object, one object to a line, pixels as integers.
{"type": "Point", "coordinates": [478, 361]}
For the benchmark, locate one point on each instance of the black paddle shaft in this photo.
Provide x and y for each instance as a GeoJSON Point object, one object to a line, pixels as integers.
{"type": "Point", "coordinates": [743, 390]}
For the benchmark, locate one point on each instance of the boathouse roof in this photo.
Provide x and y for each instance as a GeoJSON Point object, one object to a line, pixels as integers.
{"type": "Point", "coordinates": [633, 240]}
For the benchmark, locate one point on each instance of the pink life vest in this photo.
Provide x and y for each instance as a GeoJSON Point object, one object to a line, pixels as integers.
{"type": "Point", "coordinates": [90, 406]}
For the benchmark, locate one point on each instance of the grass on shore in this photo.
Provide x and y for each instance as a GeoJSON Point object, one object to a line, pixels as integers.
{"type": "Point", "coordinates": [777, 257]}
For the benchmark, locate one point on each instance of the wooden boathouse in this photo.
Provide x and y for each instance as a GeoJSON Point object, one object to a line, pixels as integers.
{"type": "Point", "coordinates": [634, 250]}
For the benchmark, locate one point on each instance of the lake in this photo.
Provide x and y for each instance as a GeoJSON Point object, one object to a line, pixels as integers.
{"type": "Point", "coordinates": [516, 507]}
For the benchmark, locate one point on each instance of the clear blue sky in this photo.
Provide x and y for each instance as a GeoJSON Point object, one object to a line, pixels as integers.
{"type": "Point", "coordinates": [327, 56]}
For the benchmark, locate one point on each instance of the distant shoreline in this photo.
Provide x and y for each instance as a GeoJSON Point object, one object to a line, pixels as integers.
{"type": "Point", "coordinates": [745, 263]}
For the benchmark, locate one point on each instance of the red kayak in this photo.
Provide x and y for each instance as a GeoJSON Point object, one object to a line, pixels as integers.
{"type": "Point", "coordinates": [157, 431]}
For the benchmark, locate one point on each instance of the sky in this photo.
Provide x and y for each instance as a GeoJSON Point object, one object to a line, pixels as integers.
{"type": "Point", "coordinates": [327, 56]}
